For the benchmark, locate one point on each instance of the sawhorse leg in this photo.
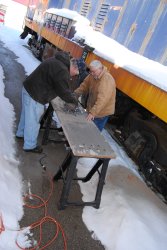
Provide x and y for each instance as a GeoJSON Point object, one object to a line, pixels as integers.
{"type": "Point", "coordinates": [101, 183]}
{"type": "Point", "coordinates": [45, 116]}
{"type": "Point", "coordinates": [48, 118]}
{"type": "Point", "coordinates": [92, 171]}
{"type": "Point", "coordinates": [67, 183]}
{"type": "Point", "coordinates": [63, 167]}
{"type": "Point", "coordinates": [69, 164]}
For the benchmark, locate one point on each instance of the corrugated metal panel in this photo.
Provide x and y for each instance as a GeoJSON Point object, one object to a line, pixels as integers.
{"type": "Point", "coordinates": [157, 35]}
{"type": "Point", "coordinates": [87, 8]}
{"type": "Point", "coordinates": [75, 5]}
{"type": "Point", "coordinates": [95, 5]}
{"type": "Point", "coordinates": [55, 4]}
{"type": "Point", "coordinates": [112, 16]}
{"type": "Point", "coordinates": [128, 20]}
{"type": "Point", "coordinates": [119, 20]}
{"type": "Point", "coordinates": [139, 25]}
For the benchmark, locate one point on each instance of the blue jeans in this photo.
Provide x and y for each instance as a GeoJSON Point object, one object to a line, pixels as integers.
{"type": "Point", "coordinates": [101, 122]}
{"type": "Point", "coordinates": [29, 124]}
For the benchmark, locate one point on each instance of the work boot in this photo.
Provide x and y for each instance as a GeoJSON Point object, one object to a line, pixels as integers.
{"type": "Point", "coordinates": [37, 149]}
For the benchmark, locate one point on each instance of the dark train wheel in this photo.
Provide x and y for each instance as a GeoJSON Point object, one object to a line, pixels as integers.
{"type": "Point", "coordinates": [149, 149]}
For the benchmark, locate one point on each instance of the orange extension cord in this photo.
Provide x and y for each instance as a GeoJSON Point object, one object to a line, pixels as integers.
{"type": "Point", "coordinates": [40, 222]}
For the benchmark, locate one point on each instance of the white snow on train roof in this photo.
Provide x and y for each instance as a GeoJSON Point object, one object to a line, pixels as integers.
{"type": "Point", "coordinates": [69, 14]}
{"type": "Point", "coordinates": [109, 49]}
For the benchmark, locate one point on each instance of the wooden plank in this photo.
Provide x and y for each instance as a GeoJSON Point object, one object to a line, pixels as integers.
{"type": "Point", "coordinates": [84, 138]}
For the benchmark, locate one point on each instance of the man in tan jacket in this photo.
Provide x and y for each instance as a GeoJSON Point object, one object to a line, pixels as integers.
{"type": "Point", "coordinates": [101, 89]}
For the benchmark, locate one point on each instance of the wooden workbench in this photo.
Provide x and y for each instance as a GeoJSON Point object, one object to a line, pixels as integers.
{"type": "Point", "coordinates": [84, 137]}
{"type": "Point", "coordinates": [85, 140]}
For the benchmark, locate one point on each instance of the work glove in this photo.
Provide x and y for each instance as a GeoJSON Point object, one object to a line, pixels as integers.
{"type": "Point", "coordinates": [75, 98]}
{"type": "Point", "coordinates": [71, 107]}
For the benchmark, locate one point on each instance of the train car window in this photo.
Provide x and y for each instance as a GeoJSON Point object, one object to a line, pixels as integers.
{"type": "Point", "coordinates": [70, 28]}
{"type": "Point", "coordinates": [47, 19]}
{"type": "Point", "coordinates": [58, 24]}
{"type": "Point", "coordinates": [53, 21]}
{"type": "Point", "coordinates": [64, 26]}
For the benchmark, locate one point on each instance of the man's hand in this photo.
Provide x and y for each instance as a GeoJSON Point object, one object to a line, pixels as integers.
{"type": "Point", "coordinates": [70, 107]}
{"type": "Point", "coordinates": [90, 117]}
{"type": "Point", "coordinates": [75, 95]}
{"type": "Point", "coordinates": [75, 98]}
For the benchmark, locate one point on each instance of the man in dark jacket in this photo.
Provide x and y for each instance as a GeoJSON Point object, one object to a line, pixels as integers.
{"type": "Point", "coordinates": [49, 80]}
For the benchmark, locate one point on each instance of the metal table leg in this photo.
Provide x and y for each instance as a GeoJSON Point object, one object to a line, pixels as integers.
{"type": "Point", "coordinates": [72, 160]}
{"type": "Point", "coordinates": [101, 183]}
{"type": "Point", "coordinates": [49, 114]}
{"type": "Point", "coordinates": [63, 167]}
{"type": "Point", "coordinates": [67, 183]}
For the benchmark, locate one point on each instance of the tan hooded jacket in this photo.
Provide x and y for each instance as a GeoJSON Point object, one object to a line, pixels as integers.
{"type": "Point", "coordinates": [101, 94]}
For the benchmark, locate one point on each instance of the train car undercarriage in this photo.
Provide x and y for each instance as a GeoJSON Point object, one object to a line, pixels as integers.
{"type": "Point", "coordinates": [144, 138]}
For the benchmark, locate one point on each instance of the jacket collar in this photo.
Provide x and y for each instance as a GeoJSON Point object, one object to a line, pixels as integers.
{"type": "Point", "coordinates": [103, 72]}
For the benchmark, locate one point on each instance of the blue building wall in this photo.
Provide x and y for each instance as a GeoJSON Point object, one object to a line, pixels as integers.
{"type": "Point", "coordinates": [75, 5]}
{"type": "Point", "coordinates": [55, 4]}
{"type": "Point", "coordinates": [143, 21]}
{"type": "Point", "coordinates": [158, 43]}
{"type": "Point", "coordinates": [112, 17]}
{"type": "Point", "coordinates": [139, 25]}
{"type": "Point", "coordinates": [94, 8]}
{"type": "Point", "coordinates": [127, 20]}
